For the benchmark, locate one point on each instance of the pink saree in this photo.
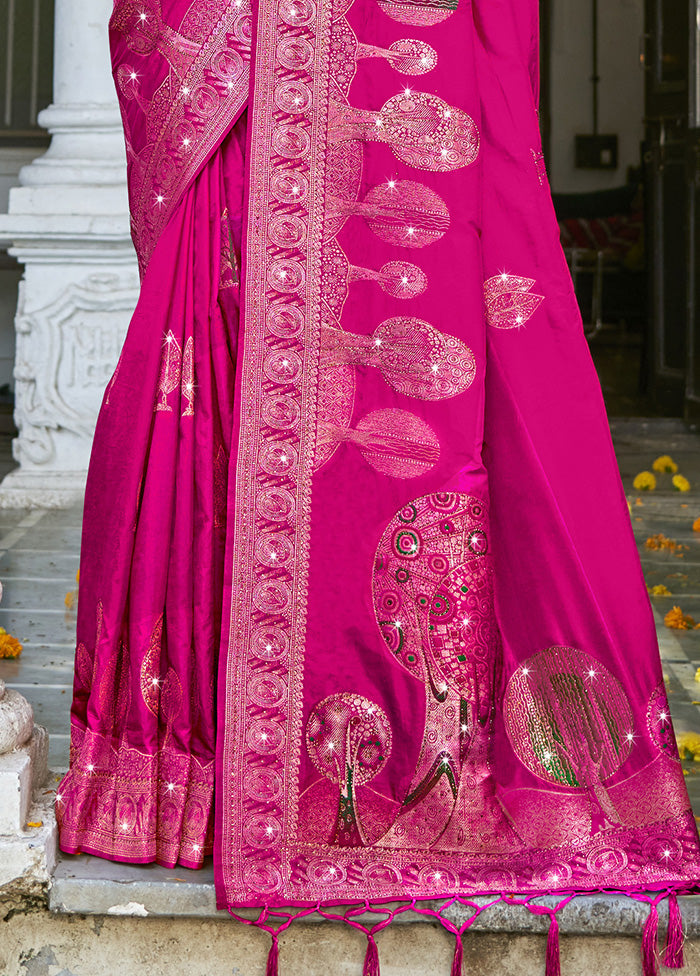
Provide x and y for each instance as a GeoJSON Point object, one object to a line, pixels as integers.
{"type": "Point", "coordinates": [360, 608]}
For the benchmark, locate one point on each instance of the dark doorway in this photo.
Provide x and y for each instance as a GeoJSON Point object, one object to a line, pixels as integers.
{"type": "Point", "coordinates": [671, 173]}
{"type": "Point", "coordinates": [632, 237]}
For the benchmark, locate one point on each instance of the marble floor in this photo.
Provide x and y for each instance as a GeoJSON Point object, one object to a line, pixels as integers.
{"type": "Point", "coordinates": [39, 554]}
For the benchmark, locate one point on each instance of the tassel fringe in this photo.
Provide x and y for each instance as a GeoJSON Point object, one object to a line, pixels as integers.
{"type": "Point", "coordinates": [459, 956]}
{"type": "Point", "coordinates": [650, 962]}
{"type": "Point", "coordinates": [273, 958]}
{"type": "Point", "coordinates": [553, 967]}
{"type": "Point", "coordinates": [371, 966]}
{"type": "Point", "coordinates": [673, 956]}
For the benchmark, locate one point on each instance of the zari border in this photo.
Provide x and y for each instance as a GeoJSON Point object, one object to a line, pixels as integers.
{"type": "Point", "coordinates": [259, 762]}
{"type": "Point", "coordinates": [181, 158]}
{"type": "Point", "coordinates": [262, 859]}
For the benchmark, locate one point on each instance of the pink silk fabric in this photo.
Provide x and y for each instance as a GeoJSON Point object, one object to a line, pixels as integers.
{"type": "Point", "coordinates": [360, 606]}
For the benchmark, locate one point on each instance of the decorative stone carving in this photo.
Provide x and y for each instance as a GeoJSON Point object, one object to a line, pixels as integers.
{"type": "Point", "coordinates": [68, 223]}
{"type": "Point", "coordinates": [66, 354]}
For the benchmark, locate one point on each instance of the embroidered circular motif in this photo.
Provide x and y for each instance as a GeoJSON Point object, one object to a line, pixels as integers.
{"type": "Point", "coordinates": [262, 876]}
{"type": "Point", "coordinates": [556, 873]}
{"type": "Point", "coordinates": [427, 133]}
{"type": "Point", "coordinates": [275, 505]}
{"type": "Point", "coordinates": [406, 213]}
{"type": "Point", "coordinates": [282, 366]}
{"type": "Point", "coordinates": [280, 412]}
{"type": "Point", "coordinates": [569, 721]}
{"type": "Point", "coordinates": [285, 320]}
{"type": "Point", "coordinates": [278, 457]}
{"type": "Point", "coordinates": [324, 873]}
{"type": "Point", "coordinates": [397, 443]}
{"type": "Point", "coordinates": [286, 275]}
{"type": "Point", "coordinates": [286, 230]}
{"type": "Point", "coordinates": [400, 279]}
{"type": "Point", "coordinates": [297, 13]}
{"type": "Point", "coordinates": [378, 873]}
{"type": "Point", "coordinates": [432, 592]}
{"type": "Point", "coordinates": [227, 66]}
{"type": "Point", "coordinates": [293, 97]}
{"type": "Point", "coordinates": [274, 549]}
{"type": "Point", "coordinates": [262, 783]}
{"type": "Point", "coordinates": [348, 737]}
{"type": "Point", "coordinates": [269, 643]}
{"type": "Point", "coordinates": [425, 14]}
{"type": "Point", "coordinates": [438, 877]}
{"type": "Point", "coordinates": [290, 186]}
{"type": "Point", "coordinates": [606, 860]}
{"type": "Point", "coordinates": [419, 361]}
{"type": "Point", "coordinates": [266, 690]}
{"type": "Point", "coordinates": [411, 57]}
{"type": "Point", "coordinates": [265, 737]}
{"type": "Point", "coordinates": [262, 830]}
{"type": "Point", "coordinates": [295, 53]}
{"type": "Point", "coordinates": [272, 596]}
{"type": "Point", "coordinates": [291, 142]}
{"type": "Point", "coordinates": [665, 851]}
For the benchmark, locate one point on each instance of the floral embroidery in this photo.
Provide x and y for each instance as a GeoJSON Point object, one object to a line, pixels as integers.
{"type": "Point", "coordinates": [188, 378]}
{"type": "Point", "coordinates": [509, 302]}
{"type": "Point", "coordinates": [170, 371]}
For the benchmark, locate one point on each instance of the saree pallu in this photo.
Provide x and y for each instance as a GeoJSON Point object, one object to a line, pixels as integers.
{"type": "Point", "coordinates": [360, 606]}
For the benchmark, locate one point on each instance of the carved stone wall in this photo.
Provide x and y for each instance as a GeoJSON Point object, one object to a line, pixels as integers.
{"type": "Point", "coordinates": [67, 351]}
{"type": "Point", "coordinates": [68, 224]}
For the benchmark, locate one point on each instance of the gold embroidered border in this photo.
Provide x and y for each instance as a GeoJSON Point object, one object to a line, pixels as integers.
{"type": "Point", "coordinates": [264, 741]}
{"type": "Point", "coordinates": [151, 216]}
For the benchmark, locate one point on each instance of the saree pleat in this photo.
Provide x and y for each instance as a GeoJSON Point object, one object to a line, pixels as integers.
{"type": "Point", "coordinates": [141, 782]}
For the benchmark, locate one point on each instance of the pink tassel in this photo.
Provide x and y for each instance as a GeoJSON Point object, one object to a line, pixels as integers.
{"type": "Point", "coordinates": [273, 958]}
{"type": "Point", "coordinates": [553, 967]}
{"type": "Point", "coordinates": [371, 967]}
{"type": "Point", "coordinates": [673, 957]}
{"type": "Point", "coordinates": [650, 962]}
{"type": "Point", "coordinates": [459, 956]}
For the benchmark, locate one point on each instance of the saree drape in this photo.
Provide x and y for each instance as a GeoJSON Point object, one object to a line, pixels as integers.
{"type": "Point", "coordinates": [360, 606]}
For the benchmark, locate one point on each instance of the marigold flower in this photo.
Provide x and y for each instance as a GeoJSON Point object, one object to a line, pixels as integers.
{"type": "Point", "coordinates": [661, 541]}
{"type": "Point", "coordinates": [689, 745]}
{"type": "Point", "coordinates": [665, 464]}
{"type": "Point", "coordinates": [70, 600]}
{"type": "Point", "coordinates": [645, 481]}
{"type": "Point", "coordinates": [9, 645]}
{"type": "Point", "coordinates": [659, 590]}
{"type": "Point", "coordinates": [696, 525]}
{"type": "Point", "coordinates": [680, 483]}
{"type": "Point", "coordinates": [675, 619]}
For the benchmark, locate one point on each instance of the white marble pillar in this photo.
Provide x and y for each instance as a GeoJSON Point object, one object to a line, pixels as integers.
{"type": "Point", "coordinates": [68, 225]}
